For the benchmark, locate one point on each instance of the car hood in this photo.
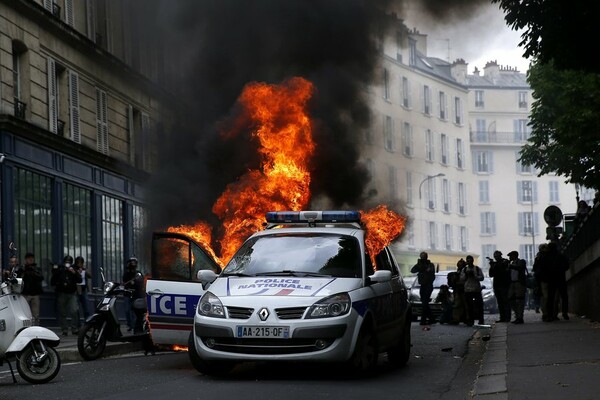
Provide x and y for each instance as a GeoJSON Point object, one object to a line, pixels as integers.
{"type": "Point", "coordinates": [282, 286]}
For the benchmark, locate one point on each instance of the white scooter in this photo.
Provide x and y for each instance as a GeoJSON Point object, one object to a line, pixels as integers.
{"type": "Point", "coordinates": [31, 346]}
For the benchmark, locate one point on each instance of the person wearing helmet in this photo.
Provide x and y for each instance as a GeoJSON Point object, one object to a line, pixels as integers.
{"type": "Point", "coordinates": [64, 280]}
{"type": "Point", "coordinates": [134, 280]}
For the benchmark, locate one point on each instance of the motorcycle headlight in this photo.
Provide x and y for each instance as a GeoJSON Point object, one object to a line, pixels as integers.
{"type": "Point", "coordinates": [210, 306]}
{"type": "Point", "coordinates": [332, 306]}
{"type": "Point", "coordinates": [108, 286]}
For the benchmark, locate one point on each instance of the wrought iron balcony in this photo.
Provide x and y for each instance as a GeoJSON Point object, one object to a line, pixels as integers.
{"type": "Point", "coordinates": [499, 137]}
{"type": "Point", "coordinates": [20, 108]}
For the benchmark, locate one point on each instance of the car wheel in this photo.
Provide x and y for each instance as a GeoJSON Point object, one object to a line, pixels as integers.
{"type": "Point", "coordinates": [364, 359]}
{"type": "Point", "coordinates": [399, 355]}
{"type": "Point", "coordinates": [206, 367]}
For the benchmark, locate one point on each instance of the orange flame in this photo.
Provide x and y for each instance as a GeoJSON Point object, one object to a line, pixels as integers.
{"type": "Point", "coordinates": [284, 131]}
{"type": "Point", "coordinates": [201, 233]}
{"type": "Point", "coordinates": [383, 226]}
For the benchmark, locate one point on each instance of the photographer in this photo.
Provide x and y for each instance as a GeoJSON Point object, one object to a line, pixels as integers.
{"type": "Point", "coordinates": [65, 279]}
{"type": "Point", "coordinates": [501, 282]}
{"type": "Point", "coordinates": [82, 287]}
{"type": "Point", "coordinates": [471, 276]}
{"type": "Point", "coordinates": [517, 269]}
{"type": "Point", "coordinates": [425, 271]}
{"type": "Point", "coordinates": [32, 286]}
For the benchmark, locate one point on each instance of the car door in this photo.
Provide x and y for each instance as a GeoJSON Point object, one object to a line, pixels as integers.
{"type": "Point", "coordinates": [396, 302]}
{"type": "Point", "coordinates": [172, 292]}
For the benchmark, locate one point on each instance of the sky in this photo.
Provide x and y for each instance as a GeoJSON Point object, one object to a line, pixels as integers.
{"type": "Point", "coordinates": [479, 38]}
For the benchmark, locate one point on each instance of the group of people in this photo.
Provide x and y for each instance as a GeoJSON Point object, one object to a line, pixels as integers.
{"type": "Point", "coordinates": [71, 281]}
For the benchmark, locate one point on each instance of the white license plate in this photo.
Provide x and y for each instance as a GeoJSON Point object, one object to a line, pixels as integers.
{"type": "Point", "coordinates": [271, 332]}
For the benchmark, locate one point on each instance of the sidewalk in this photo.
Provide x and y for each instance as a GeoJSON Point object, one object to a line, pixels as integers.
{"type": "Point", "coordinates": [541, 360]}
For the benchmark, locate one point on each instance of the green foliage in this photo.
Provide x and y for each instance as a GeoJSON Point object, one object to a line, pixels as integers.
{"type": "Point", "coordinates": [565, 124]}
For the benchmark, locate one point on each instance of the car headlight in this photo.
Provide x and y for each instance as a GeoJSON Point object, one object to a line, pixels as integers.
{"type": "Point", "coordinates": [210, 306]}
{"type": "Point", "coordinates": [108, 286]}
{"type": "Point", "coordinates": [332, 306]}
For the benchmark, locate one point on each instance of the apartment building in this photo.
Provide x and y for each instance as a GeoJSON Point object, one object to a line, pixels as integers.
{"type": "Point", "coordinates": [78, 112]}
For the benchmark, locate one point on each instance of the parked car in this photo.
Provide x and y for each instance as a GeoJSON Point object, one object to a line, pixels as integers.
{"type": "Point", "coordinates": [489, 298]}
{"type": "Point", "coordinates": [303, 289]}
{"type": "Point", "coordinates": [441, 278]}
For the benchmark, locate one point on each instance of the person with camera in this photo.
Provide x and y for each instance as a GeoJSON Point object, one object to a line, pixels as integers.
{"type": "Point", "coordinates": [501, 282]}
{"type": "Point", "coordinates": [425, 271]}
{"type": "Point", "coordinates": [459, 307]}
{"type": "Point", "coordinates": [82, 287]}
{"type": "Point", "coordinates": [472, 276]}
{"type": "Point", "coordinates": [65, 279]}
{"type": "Point", "coordinates": [32, 286]}
{"type": "Point", "coordinates": [517, 269]}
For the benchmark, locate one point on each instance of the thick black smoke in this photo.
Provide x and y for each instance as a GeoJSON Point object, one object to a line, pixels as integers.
{"type": "Point", "coordinates": [215, 47]}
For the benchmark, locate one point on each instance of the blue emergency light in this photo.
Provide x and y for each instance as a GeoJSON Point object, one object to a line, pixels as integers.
{"type": "Point", "coordinates": [312, 216]}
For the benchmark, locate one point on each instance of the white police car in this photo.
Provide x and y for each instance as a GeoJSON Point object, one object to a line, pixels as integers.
{"type": "Point", "coordinates": [303, 289]}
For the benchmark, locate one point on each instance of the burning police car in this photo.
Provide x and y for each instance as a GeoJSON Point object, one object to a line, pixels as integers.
{"type": "Point", "coordinates": [303, 289]}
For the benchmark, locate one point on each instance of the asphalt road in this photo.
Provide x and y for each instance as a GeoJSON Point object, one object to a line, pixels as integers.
{"type": "Point", "coordinates": [440, 368]}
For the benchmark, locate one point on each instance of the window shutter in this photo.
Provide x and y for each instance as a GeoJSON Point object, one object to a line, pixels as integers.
{"type": "Point", "coordinates": [534, 194]}
{"type": "Point", "coordinates": [52, 103]}
{"type": "Point", "coordinates": [69, 15]}
{"type": "Point", "coordinates": [521, 218]}
{"type": "Point", "coordinates": [74, 106]}
{"type": "Point", "coordinates": [490, 155]}
{"type": "Point", "coordinates": [493, 218]}
{"type": "Point", "coordinates": [101, 122]}
{"type": "Point", "coordinates": [535, 223]}
{"type": "Point", "coordinates": [90, 15]}
{"type": "Point", "coordinates": [131, 130]}
{"type": "Point", "coordinates": [48, 5]}
{"type": "Point", "coordinates": [519, 191]}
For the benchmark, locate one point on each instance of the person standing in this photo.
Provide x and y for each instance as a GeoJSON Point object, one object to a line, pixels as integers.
{"type": "Point", "coordinates": [65, 279]}
{"type": "Point", "coordinates": [13, 268]}
{"type": "Point", "coordinates": [425, 271]}
{"type": "Point", "coordinates": [560, 281]}
{"type": "Point", "coordinates": [134, 280]}
{"type": "Point", "coordinates": [459, 307]}
{"type": "Point", "coordinates": [518, 286]}
{"type": "Point", "coordinates": [472, 276]}
{"type": "Point", "coordinates": [32, 286]}
{"type": "Point", "coordinates": [501, 281]}
{"type": "Point", "coordinates": [82, 287]}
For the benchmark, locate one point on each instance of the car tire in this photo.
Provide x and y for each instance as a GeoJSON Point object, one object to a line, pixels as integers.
{"type": "Point", "coordinates": [217, 368]}
{"type": "Point", "coordinates": [399, 355]}
{"type": "Point", "coordinates": [364, 358]}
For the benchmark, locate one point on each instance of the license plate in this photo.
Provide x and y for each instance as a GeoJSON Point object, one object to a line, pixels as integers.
{"type": "Point", "coordinates": [27, 323]}
{"type": "Point", "coordinates": [271, 332]}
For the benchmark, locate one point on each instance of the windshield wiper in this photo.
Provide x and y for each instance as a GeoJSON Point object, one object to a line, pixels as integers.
{"type": "Point", "coordinates": [289, 272]}
{"type": "Point", "coordinates": [235, 274]}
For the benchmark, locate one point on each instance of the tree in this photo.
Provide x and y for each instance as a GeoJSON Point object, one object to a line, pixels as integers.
{"type": "Point", "coordinates": [556, 30]}
{"type": "Point", "coordinates": [565, 124]}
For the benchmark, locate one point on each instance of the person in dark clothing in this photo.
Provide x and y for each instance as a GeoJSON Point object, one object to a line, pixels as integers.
{"type": "Point", "coordinates": [517, 269]}
{"type": "Point", "coordinates": [425, 271]}
{"type": "Point", "coordinates": [558, 282]}
{"type": "Point", "coordinates": [134, 280]}
{"type": "Point", "coordinates": [445, 298]}
{"type": "Point", "coordinates": [472, 276]}
{"type": "Point", "coordinates": [459, 307]}
{"type": "Point", "coordinates": [501, 281]}
{"type": "Point", "coordinates": [65, 279]}
{"type": "Point", "coordinates": [82, 288]}
{"type": "Point", "coordinates": [32, 286]}
{"type": "Point", "coordinates": [13, 268]}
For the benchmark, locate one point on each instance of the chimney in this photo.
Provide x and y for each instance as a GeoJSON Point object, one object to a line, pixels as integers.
{"type": "Point", "coordinates": [458, 70]}
{"type": "Point", "coordinates": [491, 70]}
{"type": "Point", "coordinates": [476, 71]}
{"type": "Point", "coordinates": [420, 39]}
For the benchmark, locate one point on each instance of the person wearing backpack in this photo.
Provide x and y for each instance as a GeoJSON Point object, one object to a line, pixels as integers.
{"type": "Point", "coordinates": [425, 271]}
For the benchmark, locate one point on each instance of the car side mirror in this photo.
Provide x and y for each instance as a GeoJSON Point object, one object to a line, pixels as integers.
{"type": "Point", "coordinates": [206, 277]}
{"type": "Point", "coordinates": [380, 276]}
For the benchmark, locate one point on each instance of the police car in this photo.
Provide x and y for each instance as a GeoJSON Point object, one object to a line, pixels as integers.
{"type": "Point", "coordinates": [303, 289]}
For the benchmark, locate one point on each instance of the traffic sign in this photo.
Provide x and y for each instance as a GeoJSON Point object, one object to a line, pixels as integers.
{"type": "Point", "coordinates": [553, 215]}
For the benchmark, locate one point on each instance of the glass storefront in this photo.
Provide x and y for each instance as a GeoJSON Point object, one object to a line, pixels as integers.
{"type": "Point", "coordinates": [112, 238]}
{"type": "Point", "coordinates": [77, 222]}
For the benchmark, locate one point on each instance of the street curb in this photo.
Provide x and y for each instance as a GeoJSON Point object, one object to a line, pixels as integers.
{"type": "Point", "coordinates": [70, 354]}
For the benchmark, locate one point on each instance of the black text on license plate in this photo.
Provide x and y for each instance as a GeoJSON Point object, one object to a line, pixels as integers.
{"type": "Point", "coordinates": [272, 332]}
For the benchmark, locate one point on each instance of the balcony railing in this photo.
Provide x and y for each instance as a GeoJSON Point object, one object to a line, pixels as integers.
{"type": "Point", "coordinates": [20, 108]}
{"type": "Point", "coordinates": [583, 233]}
{"type": "Point", "coordinates": [56, 10]}
{"type": "Point", "coordinates": [499, 137]}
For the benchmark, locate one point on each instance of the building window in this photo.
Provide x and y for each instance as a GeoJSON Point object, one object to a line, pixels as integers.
{"type": "Point", "coordinates": [483, 161]}
{"type": "Point", "coordinates": [521, 130]}
{"type": "Point", "coordinates": [464, 239]}
{"type": "Point", "coordinates": [481, 130]}
{"type": "Point", "coordinates": [488, 223]}
{"type": "Point", "coordinates": [527, 253]}
{"type": "Point", "coordinates": [74, 125]}
{"type": "Point", "coordinates": [522, 168]}
{"type": "Point", "coordinates": [426, 100]}
{"type": "Point", "coordinates": [446, 195]}
{"type": "Point", "coordinates": [479, 99]}
{"type": "Point", "coordinates": [19, 75]}
{"type": "Point", "coordinates": [448, 236]}
{"type": "Point", "coordinates": [460, 162]}
{"type": "Point", "coordinates": [412, 52]}
{"type": "Point", "coordinates": [444, 144]}
{"type": "Point", "coordinates": [112, 238]}
{"type": "Point", "coordinates": [430, 194]}
{"type": "Point", "coordinates": [388, 134]}
{"type": "Point", "coordinates": [77, 222]}
{"type": "Point", "coordinates": [484, 192]}
{"type": "Point", "coordinates": [554, 192]}
{"type": "Point", "coordinates": [432, 235]}
{"type": "Point", "coordinates": [443, 106]}
{"type": "Point", "coordinates": [101, 121]}
{"type": "Point", "coordinates": [140, 246]}
{"type": "Point", "coordinates": [393, 176]}
{"type": "Point", "coordinates": [429, 146]}
{"type": "Point", "coordinates": [523, 100]}
{"type": "Point", "coordinates": [526, 191]}
{"type": "Point", "coordinates": [386, 84]}
{"type": "Point", "coordinates": [140, 133]}
{"type": "Point", "coordinates": [462, 199]}
{"type": "Point", "coordinates": [405, 92]}
{"type": "Point", "coordinates": [457, 111]}
{"type": "Point", "coordinates": [407, 139]}
{"type": "Point", "coordinates": [32, 198]}
{"type": "Point", "coordinates": [487, 250]}
{"type": "Point", "coordinates": [411, 237]}
{"type": "Point", "coordinates": [528, 223]}
{"type": "Point", "coordinates": [409, 188]}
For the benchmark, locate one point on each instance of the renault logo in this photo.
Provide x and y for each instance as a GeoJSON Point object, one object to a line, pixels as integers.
{"type": "Point", "coordinates": [263, 314]}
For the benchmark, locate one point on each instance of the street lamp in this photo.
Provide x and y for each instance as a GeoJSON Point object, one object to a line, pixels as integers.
{"type": "Point", "coordinates": [428, 178]}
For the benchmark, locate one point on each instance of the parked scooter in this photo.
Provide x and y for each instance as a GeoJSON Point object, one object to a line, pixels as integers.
{"type": "Point", "coordinates": [31, 346]}
{"type": "Point", "coordinates": [104, 324]}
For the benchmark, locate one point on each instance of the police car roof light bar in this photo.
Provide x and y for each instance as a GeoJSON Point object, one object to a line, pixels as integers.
{"type": "Point", "coordinates": [312, 216]}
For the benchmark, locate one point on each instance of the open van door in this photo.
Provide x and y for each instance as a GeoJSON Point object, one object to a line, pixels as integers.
{"type": "Point", "coordinates": [172, 291]}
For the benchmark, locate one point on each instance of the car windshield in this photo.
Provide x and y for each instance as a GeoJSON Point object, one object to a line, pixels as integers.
{"type": "Point", "coordinates": [310, 254]}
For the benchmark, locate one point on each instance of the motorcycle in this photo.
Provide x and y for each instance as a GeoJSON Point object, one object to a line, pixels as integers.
{"type": "Point", "coordinates": [31, 346]}
{"type": "Point", "coordinates": [104, 326]}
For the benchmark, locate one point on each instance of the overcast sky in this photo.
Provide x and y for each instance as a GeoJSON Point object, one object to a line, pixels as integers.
{"type": "Point", "coordinates": [481, 38]}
